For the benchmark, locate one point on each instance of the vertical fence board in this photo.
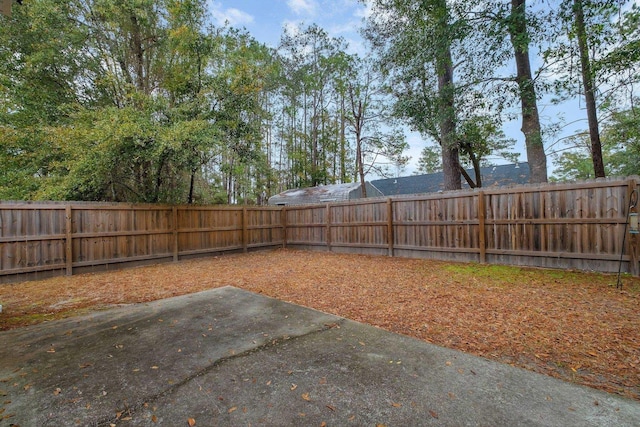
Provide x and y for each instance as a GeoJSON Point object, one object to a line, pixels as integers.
{"type": "Point", "coordinates": [69, 240]}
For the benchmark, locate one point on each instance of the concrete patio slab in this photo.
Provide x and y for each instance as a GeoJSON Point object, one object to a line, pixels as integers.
{"type": "Point", "coordinates": [228, 357]}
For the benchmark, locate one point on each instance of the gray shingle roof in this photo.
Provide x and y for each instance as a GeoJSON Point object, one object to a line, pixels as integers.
{"type": "Point", "coordinates": [492, 176]}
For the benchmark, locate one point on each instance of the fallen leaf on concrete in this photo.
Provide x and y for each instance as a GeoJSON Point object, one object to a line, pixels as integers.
{"type": "Point", "coordinates": [154, 418]}
{"type": "Point", "coordinates": [191, 422]}
{"type": "Point", "coordinates": [232, 409]}
{"type": "Point", "coordinates": [396, 405]}
{"type": "Point", "coordinates": [57, 391]}
{"type": "Point", "coordinates": [434, 414]}
{"type": "Point", "coordinates": [294, 386]}
{"type": "Point", "coordinates": [306, 397]}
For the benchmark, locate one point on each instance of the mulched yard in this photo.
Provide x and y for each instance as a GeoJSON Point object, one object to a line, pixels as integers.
{"type": "Point", "coordinates": [570, 325]}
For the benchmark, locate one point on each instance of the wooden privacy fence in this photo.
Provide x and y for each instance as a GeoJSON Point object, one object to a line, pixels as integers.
{"type": "Point", "coordinates": [44, 239]}
{"type": "Point", "coordinates": [581, 226]}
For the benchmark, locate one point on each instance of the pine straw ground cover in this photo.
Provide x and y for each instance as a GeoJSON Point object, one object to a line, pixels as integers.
{"type": "Point", "coordinates": [570, 325]}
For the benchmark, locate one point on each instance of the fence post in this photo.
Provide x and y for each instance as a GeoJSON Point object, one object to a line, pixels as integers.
{"type": "Point", "coordinates": [69, 239]}
{"type": "Point", "coordinates": [481, 228]}
{"type": "Point", "coordinates": [174, 230]}
{"type": "Point", "coordinates": [245, 238]}
{"type": "Point", "coordinates": [283, 221]}
{"type": "Point", "coordinates": [328, 229]}
{"type": "Point", "coordinates": [390, 236]}
{"type": "Point", "coordinates": [633, 239]}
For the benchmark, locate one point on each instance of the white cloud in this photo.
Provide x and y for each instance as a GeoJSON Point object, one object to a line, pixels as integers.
{"type": "Point", "coordinates": [343, 28]}
{"type": "Point", "coordinates": [303, 7]}
{"type": "Point", "coordinates": [364, 12]}
{"type": "Point", "coordinates": [356, 46]}
{"type": "Point", "coordinates": [232, 16]}
{"type": "Point", "coordinates": [292, 28]}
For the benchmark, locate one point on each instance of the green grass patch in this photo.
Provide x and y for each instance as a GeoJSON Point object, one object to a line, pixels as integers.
{"type": "Point", "coordinates": [9, 321]}
{"type": "Point", "coordinates": [499, 275]}
{"type": "Point", "coordinates": [503, 275]}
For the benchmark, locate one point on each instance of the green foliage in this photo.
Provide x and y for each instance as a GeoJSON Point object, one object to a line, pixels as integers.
{"type": "Point", "coordinates": [429, 161]}
{"type": "Point", "coordinates": [620, 150]}
{"type": "Point", "coordinates": [125, 102]}
{"type": "Point", "coordinates": [145, 101]}
{"type": "Point", "coordinates": [482, 137]}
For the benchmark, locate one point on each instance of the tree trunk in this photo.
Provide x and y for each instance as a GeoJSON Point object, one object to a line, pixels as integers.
{"type": "Point", "coordinates": [450, 151]}
{"type": "Point", "coordinates": [589, 90]}
{"type": "Point", "coordinates": [191, 186]}
{"type": "Point", "coordinates": [138, 53]}
{"type": "Point", "coordinates": [343, 139]}
{"type": "Point", "coordinates": [530, 118]}
{"type": "Point", "coordinates": [361, 168]}
{"type": "Point", "coordinates": [357, 112]}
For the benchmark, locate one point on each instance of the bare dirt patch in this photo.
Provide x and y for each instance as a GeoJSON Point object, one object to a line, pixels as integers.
{"type": "Point", "coordinates": [571, 325]}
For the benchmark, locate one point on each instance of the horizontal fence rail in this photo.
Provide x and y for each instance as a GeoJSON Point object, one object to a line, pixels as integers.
{"type": "Point", "coordinates": [580, 226]}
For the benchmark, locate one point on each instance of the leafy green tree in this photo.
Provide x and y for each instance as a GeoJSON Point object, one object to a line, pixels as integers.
{"type": "Point", "coordinates": [588, 84]}
{"type": "Point", "coordinates": [430, 161]}
{"type": "Point", "coordinates": [620, 150]}
{"type": "Point", "coordinates": [313, 67]}
{"type": "Point", "coordinates": [135, 101]}
{"type": "Point", "coordinates": [519, 34]}
{"type": "Point", "coordinates": [602, 37]}
{"type": "Point", "coordinates": [414, 41]}
{"type": "Point", "coordinates": [42, 70]}
{"type": "Point", "coordinates": [239, 114]}
{"type": "Point", "coordinates": [481, 137]}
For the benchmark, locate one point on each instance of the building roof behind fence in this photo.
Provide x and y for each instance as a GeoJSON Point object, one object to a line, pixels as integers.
{"type": "Point", "coordinates": [492, 176]}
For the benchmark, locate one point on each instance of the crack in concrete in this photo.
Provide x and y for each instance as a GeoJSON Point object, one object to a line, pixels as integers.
{"type": "Point", "coordinates": [131, 410]}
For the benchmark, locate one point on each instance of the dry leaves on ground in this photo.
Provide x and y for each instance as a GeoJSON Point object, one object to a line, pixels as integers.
{"type": "Point", "coordinates": [570, 325]}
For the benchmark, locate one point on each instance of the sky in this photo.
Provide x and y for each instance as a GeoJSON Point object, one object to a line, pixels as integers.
{"type": "Point", "coordinates": [266, 20]}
